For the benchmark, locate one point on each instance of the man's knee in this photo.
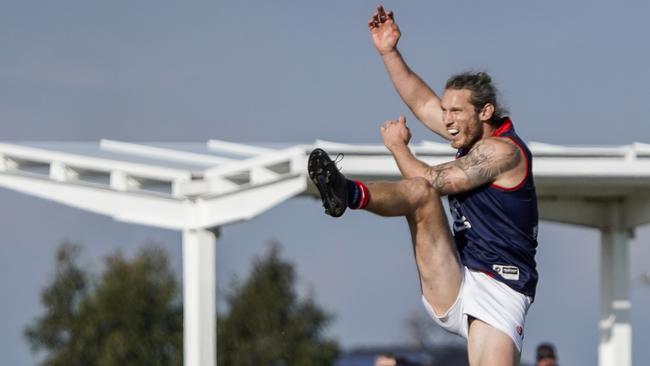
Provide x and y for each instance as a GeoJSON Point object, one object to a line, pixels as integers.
{"type": "Point", "coordinates": [424, 200]}
{"type": "Point", "coordinates": [421, 192]}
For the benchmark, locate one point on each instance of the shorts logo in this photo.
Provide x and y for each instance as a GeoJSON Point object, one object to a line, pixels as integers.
{"type": "Point", "coordinates": [520, 330]}
{"type": "Point", "coordinates": [507, 272]}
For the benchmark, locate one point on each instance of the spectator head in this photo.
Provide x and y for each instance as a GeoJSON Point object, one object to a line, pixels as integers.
{"type": "Point", "coordinates": [546, 355]}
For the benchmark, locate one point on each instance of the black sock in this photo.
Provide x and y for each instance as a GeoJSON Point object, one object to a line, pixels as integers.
{"type": "Point", "coordinates": [354, 193]}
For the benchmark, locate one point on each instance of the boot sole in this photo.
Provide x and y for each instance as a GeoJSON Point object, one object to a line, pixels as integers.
{"type": "Point", "coordinates": [321, 169]}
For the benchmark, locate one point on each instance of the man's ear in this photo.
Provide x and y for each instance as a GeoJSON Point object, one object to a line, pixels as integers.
{"type": "Point", "coordinates": [487, 112]}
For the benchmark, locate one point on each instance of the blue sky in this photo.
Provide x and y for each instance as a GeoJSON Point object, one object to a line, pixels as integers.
{"type": "Point", "coordinates": [287, 71]}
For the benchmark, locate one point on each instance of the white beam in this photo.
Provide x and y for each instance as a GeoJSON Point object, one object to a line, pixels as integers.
{"type": "Point", "coordinates": [61, 172]}
{"type": "Point", "coordinates": [424, 147]}
{"type": "Point", "coordinates": [82, 162]}
{"type": "Point", "coordinates": [615, 347]}
{"type": "Point", "coordinates": [199, 298]}
{"type": "Point", "coordinates": [637, 211]}
{"type": "Point", "coordinates": [591, 167]}
{"type": "Point", "coordinates": [442, 147]}
{"type": "Point", "coordinates": [247, 203]}
{"type": "Point", "coordinates": [293, 155]}
{"type": "Point", "coordinates": [135, 207]}
{"type": "Point", "coordinates": [544, 149]}
{"type": "Point", "coordinates": [261, 175]}
{"type": "Point", "coordinates": [121, 181]}
{"type": "Point", "coordinates": [7, 164]}
{"type": "Point", "coordinates": [238, 149]}
{"type": "Point", "coordinates": [162, 153]}
{"type": "Point", "coordinates": [158, 210]}
{"type": "Point", "coordinates": [201, 187]}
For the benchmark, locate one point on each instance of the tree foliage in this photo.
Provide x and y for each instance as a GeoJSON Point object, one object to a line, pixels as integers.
{"type": "Point", "coordinates": [267, 324]}
{"type": "Point", "coordinates": [131, 315]}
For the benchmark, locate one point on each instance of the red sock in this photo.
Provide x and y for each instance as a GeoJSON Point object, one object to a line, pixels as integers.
{"type": "Point", "coordinates": [362, 202]}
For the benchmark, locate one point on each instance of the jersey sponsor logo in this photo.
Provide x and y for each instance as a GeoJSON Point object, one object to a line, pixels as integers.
{"type": "Point", "coordinates": [460, 222]}
{"type": "Point", "coordinates": [507, 272]}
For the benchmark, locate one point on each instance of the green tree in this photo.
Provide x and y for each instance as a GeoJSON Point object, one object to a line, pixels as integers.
{"type": "Point", "coordinates": [132, 315]}
{"type": "Point", "coordinates": [268, 325]}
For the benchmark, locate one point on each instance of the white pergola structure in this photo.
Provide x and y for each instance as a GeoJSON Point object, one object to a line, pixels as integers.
{"type": "Point", "coordinates": [197, 188]}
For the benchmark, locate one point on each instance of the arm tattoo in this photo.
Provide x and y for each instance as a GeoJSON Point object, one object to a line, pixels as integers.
{"type": "Point", "coordinates": [439, 177]}
{"type": "Point", "coordinates": [481, 165]}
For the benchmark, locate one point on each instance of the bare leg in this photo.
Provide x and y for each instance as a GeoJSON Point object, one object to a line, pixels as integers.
{"type": "Point", "coordinates": [433, 245]}
{"type": "Point", "coordinates": [437, 261]}
{"type": "Point", "coordinates": [400, 198]}
{"type": "Point", "coordinates": [488, 346]}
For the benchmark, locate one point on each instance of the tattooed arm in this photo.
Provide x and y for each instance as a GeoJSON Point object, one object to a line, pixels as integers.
{"type": "Point", "coordinates": [486, 162]}
{"type": "Point", "coordinates": [489, 160]}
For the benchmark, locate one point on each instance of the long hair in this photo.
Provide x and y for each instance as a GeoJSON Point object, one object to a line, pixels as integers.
{"type": "Point", "coordinates": [483, 92]}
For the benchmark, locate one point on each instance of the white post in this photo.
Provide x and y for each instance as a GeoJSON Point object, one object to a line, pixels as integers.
{"type": "Point", "coordinates": [615, 329]}
{"type": "Point", "coordinates": [199, 298]}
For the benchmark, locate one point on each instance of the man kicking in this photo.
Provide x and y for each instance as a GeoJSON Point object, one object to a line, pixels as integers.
{"type": "Point", "coordinates": [480, 281]}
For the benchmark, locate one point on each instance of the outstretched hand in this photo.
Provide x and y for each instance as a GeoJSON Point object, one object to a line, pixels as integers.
{"type": "Point", "coordinates": [384, 31]}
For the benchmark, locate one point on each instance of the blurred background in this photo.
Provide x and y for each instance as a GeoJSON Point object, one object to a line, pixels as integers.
{"type": "Point", "coordinates": [285, 71]}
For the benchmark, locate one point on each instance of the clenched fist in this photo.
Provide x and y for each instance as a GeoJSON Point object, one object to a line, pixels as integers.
{"type": "Point", "coordinates": [394, 133]}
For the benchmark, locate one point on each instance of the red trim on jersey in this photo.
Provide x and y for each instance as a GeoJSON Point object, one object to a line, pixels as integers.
{"type": "Point", "coordinates": [505, 127]}
{"type": "Point", "coordinates": [523, 152]}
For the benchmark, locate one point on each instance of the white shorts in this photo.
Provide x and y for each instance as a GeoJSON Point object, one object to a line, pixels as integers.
{"type": "Point", "coordinates": [484, 298]}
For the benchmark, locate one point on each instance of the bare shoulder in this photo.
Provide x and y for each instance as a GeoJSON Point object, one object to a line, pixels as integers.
{"type": "Point", "coordinates": [489, 158]}
{"type": "Point", "coordinates": [494, 150]}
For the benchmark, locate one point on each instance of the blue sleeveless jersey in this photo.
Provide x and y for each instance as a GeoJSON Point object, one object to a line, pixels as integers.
{"type": "Point", "coordinates": [495, 228]}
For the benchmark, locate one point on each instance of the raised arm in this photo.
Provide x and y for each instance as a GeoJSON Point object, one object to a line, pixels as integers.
{"type": "Point", "coordinates": [491, 160]}
{"type": "Point", "coordinates": [418, 96]}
